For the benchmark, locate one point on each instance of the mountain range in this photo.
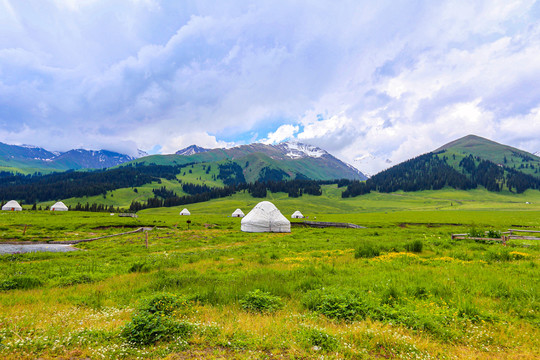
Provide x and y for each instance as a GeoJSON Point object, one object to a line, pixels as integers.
{"type": "Point", "coordinates": [259, 161]}
{"type": "Point", "coordinates": [288, 160]}
{"type": "Point", "coordinates": [29, 159]}
{"type": "Point", "coordinates": [170, 180]}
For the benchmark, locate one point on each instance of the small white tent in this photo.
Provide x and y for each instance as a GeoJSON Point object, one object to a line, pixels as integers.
{"type": "Point", "coordinates": [59, 206]}
{"type": "Point", "coordinates": [265, 217]}
{"type": "Point", "coordinates": [185, 212]}
{"type": "Point", "coordinates": [297, 215]}
{"type": "Point", "coordinates": [238, 213]}
{"type": "Point", "coordinates": [12, 205]}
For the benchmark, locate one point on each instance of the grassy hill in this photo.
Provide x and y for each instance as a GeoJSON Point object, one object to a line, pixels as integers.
{"type": "Point", "coordinates": [486, 149]}
{"type": "Point", "coordinates": [254, 158]}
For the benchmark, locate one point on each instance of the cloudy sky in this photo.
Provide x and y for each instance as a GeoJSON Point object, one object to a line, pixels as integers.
{"type": "Point", "coordinates": [372, 82]}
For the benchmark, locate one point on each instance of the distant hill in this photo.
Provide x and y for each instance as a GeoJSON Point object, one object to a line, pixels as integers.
{"type": "Point", "coordinates": [163, 180]}
{"type": "Point", "coordinates": [29, 159]}
{"type": "Point", "coordinates": [285, 161]}
{"type": "Point", "coordinates": [485, 149]}
{"type": "Point", "coordinates": [465, 163]}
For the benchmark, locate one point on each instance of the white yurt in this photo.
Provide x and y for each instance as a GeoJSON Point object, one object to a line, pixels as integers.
{"type": "Point", "coordinates": [238, 213]}
{"type": "Point", "coordinates": [59, 206]}
{"type": "Point", "coordinates": [185, 212]}
{"type": "Point", "coordinates": [12, 205]}
{"type": "Point", "coordinates": [297, 215]}
{"type": "Point", "coordinates": [265, 217]}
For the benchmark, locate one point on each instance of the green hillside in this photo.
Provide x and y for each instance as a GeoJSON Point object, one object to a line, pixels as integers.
{"type": "Point", "coordinates": [486, 149]}
{"type": "Point", "coordinates": [257, 160]}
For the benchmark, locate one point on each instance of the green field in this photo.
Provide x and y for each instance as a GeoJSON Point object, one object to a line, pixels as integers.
{"type": "Point", "coordinates": [400, 288]}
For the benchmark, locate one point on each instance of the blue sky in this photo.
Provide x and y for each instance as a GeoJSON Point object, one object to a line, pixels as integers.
{"type": "Point", "coordinates": [373, 83]}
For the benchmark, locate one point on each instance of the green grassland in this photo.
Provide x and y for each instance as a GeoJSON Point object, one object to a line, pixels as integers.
{"type": "Point", "coordinates": [400, 288]}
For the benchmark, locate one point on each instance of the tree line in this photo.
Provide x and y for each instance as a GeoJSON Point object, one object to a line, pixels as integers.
{"type": "Point", "coordinates": [200, 193]}
{"type": "Point", "coordinates": [432, 172]}
{"type": "Point", "coordinates": [37, 188]}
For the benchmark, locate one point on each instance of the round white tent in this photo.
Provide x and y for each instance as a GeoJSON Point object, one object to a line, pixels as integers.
{"type": "Point", "coordinates": [185, 212]}
{"type": "Point", "coordinates": [297, 215]}
{"type": "Point", "coordinates": [59, 206]}
{"type": "Point", "coordinates": [265, 217]}
{"type": "Point", "coordinates": [238, 213]}
{"type": "Point", "coordinates": [12, 205]}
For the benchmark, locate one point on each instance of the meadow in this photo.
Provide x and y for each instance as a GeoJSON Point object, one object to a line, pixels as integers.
{"type": "Point", "coordinates": [400, 288]}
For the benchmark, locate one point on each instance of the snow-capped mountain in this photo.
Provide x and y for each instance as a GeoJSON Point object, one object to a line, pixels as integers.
{"type": "Point", "coordinates": [29, 156]}
{"type": "Point", "coordinates": [288, 160]}
{"type": "Point", "coordinates": [191, 150]}
{"type": "Point", "coordinates": [296, 150]}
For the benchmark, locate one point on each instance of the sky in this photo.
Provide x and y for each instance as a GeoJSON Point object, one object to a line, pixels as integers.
{"type": "Point", "coordinates": [372, 82]}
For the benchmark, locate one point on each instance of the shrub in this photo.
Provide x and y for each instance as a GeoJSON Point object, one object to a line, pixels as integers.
{"type": "Point", "coordinates": [20, 282]}
{"type": "Point", "coordinates": [317, 339]}
{"type": "Point", "coordinates": [153, 321]}
{"type": "Point", "coordinates": [474, 232]}
{"type": "Point", "coordinates": [336, 304]}
{"type": "Point", "coordinates": [261, 301]}
{"type": "Point", "coordinates": [366, 250]}
{"type": "Point", "coordinates": [147, 328]}
{"type": "Point", "coordinates": [415, 246]}
{"type": "Point", "coordinates": [494, 234]}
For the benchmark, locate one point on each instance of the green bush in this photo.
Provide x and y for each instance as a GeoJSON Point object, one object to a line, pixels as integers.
{"type": "Point", "coordinates": [415, 246]}
{"type": "Point", "coordinates": [261, 301]}
{"type": "Point", "coordinates": [368, 251]}
{"type": "Point", "coordinates": [317, 339]}
{"type": "Point", "coordinates": [494, 234]}
{"type": "Point", "coordinates": [336, 304]}
{"type": "Point", "coordinates": [153, 321]}
{"type": "Point", "coordinates": [20, 282]}
{"type": "Point", "coordinates": [147, 328]}
{"type": "Point", "coordinates": [474, 232]}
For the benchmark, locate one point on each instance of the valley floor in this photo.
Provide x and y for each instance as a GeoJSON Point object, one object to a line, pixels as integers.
{"type": "Point", "coordinates": [401, 288]}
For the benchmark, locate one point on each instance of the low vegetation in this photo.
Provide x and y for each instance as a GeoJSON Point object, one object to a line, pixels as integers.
{"type": "Point", "coordinates": [400, 288]}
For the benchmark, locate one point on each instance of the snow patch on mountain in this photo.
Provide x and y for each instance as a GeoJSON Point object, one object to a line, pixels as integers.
{"type": "Point", "coordinates": [296, 150]}
{"type": "Point", "coordinates": [191, 150]}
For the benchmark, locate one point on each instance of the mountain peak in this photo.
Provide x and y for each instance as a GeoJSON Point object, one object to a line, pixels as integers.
{"type": "Point", "coordinates": [140, 154]}
{"type": "Point", "coordinates": [468, 142]}
{"type": "Point", "coordinates": [191, 150]}
{"type": "Point", "coordinates": [296, 150]}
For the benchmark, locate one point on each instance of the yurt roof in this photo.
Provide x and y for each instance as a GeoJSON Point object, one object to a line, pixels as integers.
{"type": "Point", "coordinates": [265, 217]}
{"type": "Point", "coordinates": [12, 204]}
{"type": "Point", "coordinates": [59, 205]}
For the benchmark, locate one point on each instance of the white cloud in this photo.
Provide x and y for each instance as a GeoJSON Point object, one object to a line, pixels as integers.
{"type": "Point", "coordinates": [387, 79]}
{"type": "Point", "coordinates": [283, 133]}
